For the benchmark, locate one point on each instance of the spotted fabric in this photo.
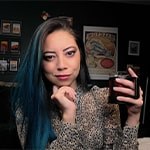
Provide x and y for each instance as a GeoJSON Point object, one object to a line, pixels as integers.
{"type": "Point", "coordinates": [97, 125]}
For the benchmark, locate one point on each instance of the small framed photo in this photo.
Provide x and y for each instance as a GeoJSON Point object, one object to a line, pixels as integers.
{"type": "Point", "coordinates": [3, 65]}
{"type": "Point", "coordinates": [16, 28]}
{"type": "Point", "coordinates": [15, 46]}
{"type": "Point", "coordinates": [134, 48]}
{"type": "Point", "coordinates": [13, 65]}
{"type": "Point", "coordinates": [6, 26]}
{"type": "Point", "coordinates": [4, 46]}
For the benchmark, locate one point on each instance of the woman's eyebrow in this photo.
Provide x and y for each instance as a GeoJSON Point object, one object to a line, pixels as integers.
{"type": "Point", "coordinates": [52, 51]}
{"type": "Point", "coordinates": [45, 52]}
{"type": "Point", "coordinates": [69, 48]}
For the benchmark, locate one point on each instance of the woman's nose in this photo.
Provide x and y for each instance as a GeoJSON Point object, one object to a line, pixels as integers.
{"type": "Point", "coordinates": [61, 63]}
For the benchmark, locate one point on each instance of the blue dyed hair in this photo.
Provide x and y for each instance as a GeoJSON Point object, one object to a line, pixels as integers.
{"type": "Point", "coordinates": [32, 91]}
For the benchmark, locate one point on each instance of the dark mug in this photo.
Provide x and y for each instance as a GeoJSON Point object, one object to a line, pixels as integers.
{"type": "Point", "coordinates": [113, 94]}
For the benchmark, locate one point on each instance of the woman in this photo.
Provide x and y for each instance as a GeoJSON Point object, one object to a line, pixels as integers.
{"type": "Point", "coordinates": [53, 106]}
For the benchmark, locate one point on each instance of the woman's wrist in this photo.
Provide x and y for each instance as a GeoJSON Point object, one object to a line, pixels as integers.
{"type": "Point", "coordinates": [133, 120]}
{"type": "Point", "coordinates": [69, 117]}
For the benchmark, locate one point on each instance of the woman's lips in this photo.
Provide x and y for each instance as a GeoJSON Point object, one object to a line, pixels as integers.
{"type": "Point", "coordinates": [62, 77]}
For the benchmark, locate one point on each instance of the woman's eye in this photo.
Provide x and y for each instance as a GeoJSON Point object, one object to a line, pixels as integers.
{"type": "Point", "coordinates": [48, 57]}
{"type": "Point", "coordinates": [71, 53]}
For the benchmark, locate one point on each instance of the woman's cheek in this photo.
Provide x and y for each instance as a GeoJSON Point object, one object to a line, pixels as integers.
{"type": "Point", "coordinates": [48, 68]}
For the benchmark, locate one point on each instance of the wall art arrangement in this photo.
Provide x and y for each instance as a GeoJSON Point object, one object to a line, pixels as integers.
{"type": "Point", "coordinates": [10, 46]}
{"type": "Point", "coordinates": [101, 45]}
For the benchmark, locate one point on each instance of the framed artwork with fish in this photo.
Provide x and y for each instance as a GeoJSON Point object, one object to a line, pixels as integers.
{"type": "Point", "coordinates": [101, 46]}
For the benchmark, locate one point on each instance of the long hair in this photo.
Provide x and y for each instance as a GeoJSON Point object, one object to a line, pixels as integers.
{"type": "Point", "coordinates": [31, 93]}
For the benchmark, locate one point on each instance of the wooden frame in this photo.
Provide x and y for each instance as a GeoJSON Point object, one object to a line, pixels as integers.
{"type": "Point", "coordinates": [6, 26]}
{"type": "Point", "coordinates": [12, 28]}
{"type": "Point", "coordinates": [101, 46]}
{"type": "Point", "coordinates": [3, 65]}
{"type": "Point", "coordinates": [4, 46]}
{"type": "Point", "coordinates": [15, 46]}
{"type": "Point", "coordinates": [13, 64]}
{"type": "Point", "coordinates": [16, 28]}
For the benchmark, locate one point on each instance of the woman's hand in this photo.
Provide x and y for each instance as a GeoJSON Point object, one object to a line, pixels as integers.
{"type": "Point", "coordinates": [65, 97]}
{"type": "Point", "coordinates": [133, 105]}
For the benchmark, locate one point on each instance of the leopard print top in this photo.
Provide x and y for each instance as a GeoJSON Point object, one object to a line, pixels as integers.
{"type": "Point", "coordinates": [97, 126]}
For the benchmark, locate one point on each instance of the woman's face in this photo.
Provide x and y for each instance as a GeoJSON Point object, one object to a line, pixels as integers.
{"type": "Point", "coordinates": [61, 59]}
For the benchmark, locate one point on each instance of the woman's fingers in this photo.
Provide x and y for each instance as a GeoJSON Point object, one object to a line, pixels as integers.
{"type": "Point", "coordinates": [64, 91]}
{"type": "Point", "coordinates": [131, 72]}
{"type": "Point", "coordinates": [137, 102]}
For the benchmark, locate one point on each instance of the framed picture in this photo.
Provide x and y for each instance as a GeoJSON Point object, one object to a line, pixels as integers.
{"type": "Point", "coordinates": [3, 65]}
{"type": "Point", "coordinates": [6, 26]}
{"type": "Point", "coordinates": [15, 46]}
{"type": "Point", "coordinates": [134, 48]}
{"type": "Point", "coordinates": [4, 46]}
{"type": "Point", "coordinates": [101, 45]}
{"type": "Point", "coordinates": [16, 28]}
{"type": "Point", "coordinates": [13, 64]}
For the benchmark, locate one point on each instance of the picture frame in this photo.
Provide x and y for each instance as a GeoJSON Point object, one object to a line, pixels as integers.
{"type": "Point", "coordinates": [6, 26]}
{"type": "Point", "coordinates": [134, 48]}
{"type": "Point", "coordinates": [16, 28]}
{"type": "Point", "coordinates": [101, 46]}
{"type": "Point", "coordinates": [4, 46]}
{"type": "Point", "coordinates": [13, 64]}
{"type": "Point", "coordinates": [15, 46]}
{"type": "Point", "coordinates": [3, 65]}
